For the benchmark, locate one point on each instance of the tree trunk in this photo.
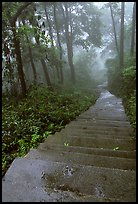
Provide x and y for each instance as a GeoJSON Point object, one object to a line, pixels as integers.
{"type": "Point", "coordinates": [69, 44]}
{"type": "Point", "coordinates": [59, 43]}
{"type": "Point", "coordinates": [46, 74]}
{"type": "Point", "coordinates": [16, 42]}
{"type": "Point", "coordinates": [122, 36]}
{"type": "Point", "coordinates": [32, 64]}
{"type": "Point", "coordinates": [133, 30]}
{"type": "Point", "coordinates": [31, 57]}
{"type": "Point", "coordinates": [114, 28]}
{"type": "Point", "coordinates": [50, 27]}
{"type": "Point", "coordinates": [8, 62]}
{"type": "Point", "coordinates": [42, 60]}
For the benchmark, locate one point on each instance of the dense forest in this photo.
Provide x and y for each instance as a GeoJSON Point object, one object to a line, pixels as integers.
{"type": "Point", "coordinates": [54, 54]}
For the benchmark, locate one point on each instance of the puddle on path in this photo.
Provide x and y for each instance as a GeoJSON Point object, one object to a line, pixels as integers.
{"type": "Point", "coordinates": [108, 103]}
{"type": "Point", "coordinates": [99, 191]}
{"type": "Point", "coordinates": [62, 183]}
{"type": "Point", "coordinates": [105, 94]}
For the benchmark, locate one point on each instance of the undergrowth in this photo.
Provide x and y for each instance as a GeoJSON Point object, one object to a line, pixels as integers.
{"type": "Point", "coordinates": [123, 85]}
{"type": "Point", "coordinates": [28, 122]}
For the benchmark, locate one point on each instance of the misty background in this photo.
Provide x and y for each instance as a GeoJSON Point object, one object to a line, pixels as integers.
{"type": "Point", "coordinates": [92, 43]}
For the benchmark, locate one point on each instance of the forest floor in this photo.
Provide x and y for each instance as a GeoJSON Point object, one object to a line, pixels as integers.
{"type": "Point", "coordinates": [92, 159]}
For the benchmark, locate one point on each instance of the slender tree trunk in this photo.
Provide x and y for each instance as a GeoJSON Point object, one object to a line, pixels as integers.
{"type": "Point", "coordinates": [113, 23]}
{"type": "Point", "coordinates": [46, 74]}
{"type": "Point", "coordinates": [32, 64]}
{"type": "Point", "coordinates": [8, 65]}
{"type": "Point", "coordinates": [16, 42]}
{"type": "Point", "coordinates": [50, 27]}
{"type": "Point", "coordinates": [122, 35]}
{"type": "Point", "coordinates": [69, 44]}
{"type": "Point", "coordinates": [58, 73]}
{"type": "Point", "coordinates": [45, 69]}
{"type": "Point", "coordinates": [133, 30]}
{"type": "Point", "coordinates": [59, 43]}
{"type": "Point", "coordinates": [51, 36]}
{"type": "Point", "coordinates": [8, 62]}
{"type": "Point", "coordinates": [31, 57]}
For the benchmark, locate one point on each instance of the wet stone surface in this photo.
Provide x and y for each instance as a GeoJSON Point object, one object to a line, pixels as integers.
{"type": "Point", "coordinates": [98, 165]}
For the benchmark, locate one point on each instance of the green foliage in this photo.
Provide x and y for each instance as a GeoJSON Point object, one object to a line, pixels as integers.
{"type": "Point", "coordinates": [114, 75]}
{"type": "Point", "coordinates": [27, 30]}
{"type": "Point", "coordinates": [32, 119]}
{"type": "Point", "coordinates": [86, 20]}
{"type": "Point", "coordinates": [82, 63]}
{"type": "Point", "coordinates": [129, 76]}
{"type": "Point", "coordinates": [130, 107]}
{"type": "Point", "coordinates": [123, 84]}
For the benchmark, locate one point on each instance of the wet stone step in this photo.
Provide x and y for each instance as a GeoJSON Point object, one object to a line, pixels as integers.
{"type": "Point", "coordinates": [105, 117]}
{"type": "Point", "coordinates": [106, 114]}
{"type": "Point", "coordinates": [93, 162]}
{"type": "Point", "coordinates": [101, 124]}
{"type": "Point", "coordinates": [91, 142]}
{"type": "Point", "coordinates": [94, 135]}
{"type": "Point", "coordinates": [29, 180]}
{"type": "Point", "coordinates": [97, 131]}
{"type": "Point", "coordinates": [83, 159]}
{"type": "Point", "coordinates": [100, 128]}
{"type": "Point", "coordinates": [113, 123]}
{"type": "Point", "coordinates": [89, 150]}
{"type": "Point", "coordinates": [98, 135]}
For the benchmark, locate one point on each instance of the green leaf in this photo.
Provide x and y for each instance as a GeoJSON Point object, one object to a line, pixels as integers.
{"type": "Point", "coordinates": [116, 148]}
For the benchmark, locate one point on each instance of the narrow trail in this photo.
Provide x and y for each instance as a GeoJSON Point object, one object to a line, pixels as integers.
{"type": "Point", "coordinates": [93, 159]}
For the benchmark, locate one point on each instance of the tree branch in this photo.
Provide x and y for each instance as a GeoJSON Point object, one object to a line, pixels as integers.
{"type": "Point", "coordinates": [19, 11]}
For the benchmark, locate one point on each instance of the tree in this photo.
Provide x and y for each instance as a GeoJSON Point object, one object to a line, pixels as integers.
{"type": "Point", "coordinates": [122, 36]}
{"type": "Point", "coordinates": [43, 63]}
{"type": "Point", "coordinates": [133, 30]}
{"type": "Point", "coordinates": [30, 54]}
{"type": "Point", "coordinates": [59, 42]}
{"type": "Point", "coordinates": [68, 35]}
{"type": "Point", "coordinates": [114, 29]}
{"type": "Point", "coordinates": [77, 20]}
{"type": "Point", "coordinates": [49, 25]}
{"type": "Point", "coordinates": [16, 42]}
{"type": "Point", "coordinates": [82, 28]}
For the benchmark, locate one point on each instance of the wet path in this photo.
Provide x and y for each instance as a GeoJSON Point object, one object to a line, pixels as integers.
{"type": "Point", "coordinates": [91, 160]}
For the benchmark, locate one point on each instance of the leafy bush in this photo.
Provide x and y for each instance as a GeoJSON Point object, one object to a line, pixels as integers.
{"type": "Point", "coordinates": [114, 76]}
{"type": "Point", "coordinates": [129, 80]}
{"type": "Point", "coordinates": [130, 107]}
{"type": "Point", "coordinates": [123, 84]}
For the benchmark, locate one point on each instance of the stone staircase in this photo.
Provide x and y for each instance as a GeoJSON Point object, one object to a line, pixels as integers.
{"type": "Point", "coordinates": [93, 159]}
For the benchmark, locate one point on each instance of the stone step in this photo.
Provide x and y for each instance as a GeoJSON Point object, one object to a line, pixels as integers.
{"type": "Point", "coordinates": [83, 159]}
{"type": "Point", "coordinates": [112, 123]}
{"type": "Point", "coordinates": [97, 133]}
{"type": "Point", "coordinates": [58, 138]}
{"type": "Point", "coordinates": [116, 130]}
{"type": "Point", "coordinates": [94, 135]}
{"type": "Point", "coordinates": [88, 150]}
{"type": "Point", "coordinates": [29, 180]}
{"type": "Point", "coordinates": [104, 117]}
{"type": "Point", "coordinates": [96, 125]}
{"type": "Point", "coordinates": [91, 160]}
{"type": "Point", "coordinates": [101, 134]}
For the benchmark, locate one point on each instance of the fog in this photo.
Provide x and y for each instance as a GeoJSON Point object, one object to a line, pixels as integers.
{"type": "Point", "coordinates": [92, 42]}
